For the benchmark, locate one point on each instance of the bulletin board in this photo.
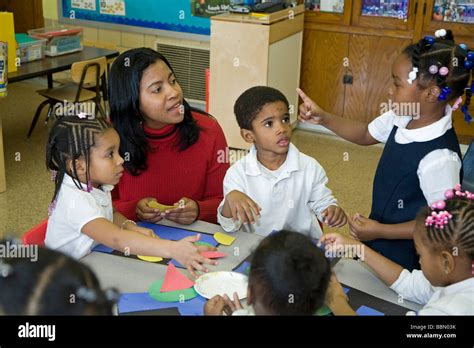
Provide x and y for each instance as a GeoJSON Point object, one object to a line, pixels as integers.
{"type": "Point", "coordinates": [175, 18]}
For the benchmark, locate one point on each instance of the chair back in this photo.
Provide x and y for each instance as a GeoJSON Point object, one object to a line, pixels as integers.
{"type": "Point", "coordinates": [87, 74]}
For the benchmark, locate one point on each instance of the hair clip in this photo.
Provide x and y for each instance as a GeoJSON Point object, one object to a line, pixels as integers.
{"type": "Point", "coordinates": [5, 269]}
{"type": "Point", "coordinates": [82, 115]}
{"type": "Point", "coordinates": [429, 40]}
{"type": "Point", "coordinates": [112, 295]}
{"type": "Point", "coordinates": [438, 219]}
{"type": "Point", "coordinates": [469, 62]}
{"type": "Point", "coordinates": [463, 46]}
{"type": "Point", "coordinates": [53, 175]}
{"type": "Point", "coordinates": [440, 205]}
{"type": "Point", "coordinates": [457, 103]}
{"type": "Point", "coordinates": [86, 294]}
{"type": "Point", "coordinates": [443, 71]}
{"type": "Point", "coordinates": [433, 69]}
{"type": "Point", "coordinates": [440, 33]}
{"type": "Point", "coordinates": [412, 75]}
{"type": "Point", "coordinates": [444, 93]}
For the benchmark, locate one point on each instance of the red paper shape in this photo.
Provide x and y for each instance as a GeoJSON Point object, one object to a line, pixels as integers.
{"type": "Point", "coordinates": [175, 280]}
{"type": "Point", "coordinates": [213, 254]}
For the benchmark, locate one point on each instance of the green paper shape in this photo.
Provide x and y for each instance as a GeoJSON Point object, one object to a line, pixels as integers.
{"type": "Point", "coordinates": [170, 296]}
{"type": "Point", "coordinates": [203, 244]}
{"type": "Point", "coordinates": [324, 310]}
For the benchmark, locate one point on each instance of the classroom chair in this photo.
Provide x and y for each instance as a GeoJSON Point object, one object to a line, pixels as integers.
{"type": "Point", "coordinates": [86, 76]}
{"type": "Point", "coordinates": [36, 235]}
{"type": "Point", "coordinates": [468, 168]}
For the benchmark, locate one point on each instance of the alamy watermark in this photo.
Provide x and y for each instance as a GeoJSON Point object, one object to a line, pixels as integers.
{"type": "Point", "coordinates": [402, 109]}
{"type": "Point", "coordinates": [86, 110]}
{"type": "Point", "coordinates": [346, 251]}
{"type": "Point", "coordinates": [15, 250]}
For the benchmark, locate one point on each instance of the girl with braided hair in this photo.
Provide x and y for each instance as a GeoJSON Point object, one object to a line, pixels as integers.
{"type": "Point", "coordinates": [83, 155]}
{"type": "Point", "coordinates": [421, 157]}
{"type": "Point", "coordinates": [444, 239]}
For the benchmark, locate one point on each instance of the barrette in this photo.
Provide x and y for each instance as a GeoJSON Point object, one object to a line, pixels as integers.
{"type": "Point", "coordinates": [412, 75]}
{"type": "Point", "coordinates": [440, 33]}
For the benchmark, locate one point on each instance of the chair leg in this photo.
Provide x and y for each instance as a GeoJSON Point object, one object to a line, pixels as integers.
{"type": "Point", "coordinates": [37, 115]}
{"type": "Point", "coordinates": [50, 112]}
{"type": "Point", "coordinates": [101, 110]}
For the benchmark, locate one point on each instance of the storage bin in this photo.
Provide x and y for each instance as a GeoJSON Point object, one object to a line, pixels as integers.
{"type": "Point", "coordinates": [30, 49]}
{"type": "Point", "coordinates": [60, 40]}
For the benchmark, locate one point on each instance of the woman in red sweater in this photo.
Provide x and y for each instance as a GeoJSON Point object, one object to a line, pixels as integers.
{"type": "Point", "coordinates": [171, 150]}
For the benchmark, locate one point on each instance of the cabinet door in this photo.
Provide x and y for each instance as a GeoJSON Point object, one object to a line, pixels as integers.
{"type": "Point", "coordinates": [370, 61]}
{"type": "Point", "coordinates": [457, 15]}
{"type": "Point", "coordinates": [385, 14]}
{"type": "Point", "coordinates": [329, 11]}
{"type": "Point", "coordinates": [322, 68]}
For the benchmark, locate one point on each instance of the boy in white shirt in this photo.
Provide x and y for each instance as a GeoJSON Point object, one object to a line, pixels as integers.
{"type": "Point", "coordinates": [274, 187]}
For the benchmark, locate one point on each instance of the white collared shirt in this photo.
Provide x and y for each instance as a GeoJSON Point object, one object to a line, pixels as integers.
{"type": "Point", "coordinates": [439, 170]}
{"type": "Point", "coordinates": [455, 299]}
{"type": "Point", "coordinates": [289, 197]}
{"type": "Point", "coordinates": [75, 208]}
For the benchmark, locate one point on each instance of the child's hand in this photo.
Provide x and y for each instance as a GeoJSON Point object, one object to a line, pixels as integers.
{"type": "Point", "coordinates": [204, 248]}
{"type": "Point", "coordinates": [331, 239]}
{"type": "Point", "coordinates": [309, 110]}
{"type": "Point", "coordinates": [334, 216]}
{"type": "Point", "coordinates": [215, 306]}
{"type": "Point", "coordinates": [334, 242]}
{"type": "Point", "coordinates": [242, 207]}
{"type": "Point", "coordinates": [232, 306]}
{"type": "Point", "coordinates": [187, 254]}
{"type": "Point", "coordinates": [363, 228]}
{"type": "Point", "coordinates": [186, 212]}
{"type": "Point", "coordinates": [145, 213]}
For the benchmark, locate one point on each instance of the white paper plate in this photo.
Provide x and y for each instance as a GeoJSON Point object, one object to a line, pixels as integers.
{"type": "Point", "coordinates": [219, 283]}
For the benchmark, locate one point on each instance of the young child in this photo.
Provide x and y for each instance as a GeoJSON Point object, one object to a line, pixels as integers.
{"type": "Point", "coordinates": [444, 239]}
{"type": "Point", "coordinates": [52, 284]}
{"type": "Point", "coordinates": [289, 275]}
{"type": "Point", "coordinates": [421, 157]}
{"type": "Point", "coordinates": [83, 154]}
{"type": "Point", "coordinates": [287, 188]}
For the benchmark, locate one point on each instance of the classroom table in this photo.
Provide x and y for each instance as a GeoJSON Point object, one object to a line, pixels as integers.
{"type": "Point", "coordinates": [132, 275]}
{"type": "Point", "coordinates": [48, 66]}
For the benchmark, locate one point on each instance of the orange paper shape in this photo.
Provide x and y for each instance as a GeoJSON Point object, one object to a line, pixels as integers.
{"type": "Point", "coordinates": [174, 280]}
{"type": "Point", "coordinates": [213, 254]}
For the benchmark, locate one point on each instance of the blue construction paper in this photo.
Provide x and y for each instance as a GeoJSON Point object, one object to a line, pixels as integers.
{"type": "Point", "coordinates": [173, 233]}
{"type": "Point", "coordinates": [140, 301]}
{"type": "Point", "coordinates": [194, 306]}
{"type": "Point", "coordinates": [243, 268]}
{"type": "Point", "coordinates": [364, 310]}
{"type": "Point", "coordinates": [101, 248]}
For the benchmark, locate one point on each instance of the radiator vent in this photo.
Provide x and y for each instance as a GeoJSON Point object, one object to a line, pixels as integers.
{"type": "Point", "coordinates": [190, 66]}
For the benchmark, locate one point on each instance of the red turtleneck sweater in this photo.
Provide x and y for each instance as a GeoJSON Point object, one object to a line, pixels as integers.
{"type": "Point", "coordinates": [194, 173]}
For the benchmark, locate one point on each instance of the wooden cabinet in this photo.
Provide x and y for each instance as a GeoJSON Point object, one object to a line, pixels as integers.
{"type": "Point", "coordinates": [247, 51]}
{"type": "Point", "coordinates": [361, 44]}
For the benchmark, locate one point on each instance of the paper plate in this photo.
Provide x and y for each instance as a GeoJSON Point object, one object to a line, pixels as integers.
{"type": "Point", "coordinates": [219, 283]}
